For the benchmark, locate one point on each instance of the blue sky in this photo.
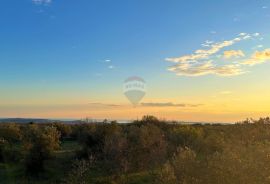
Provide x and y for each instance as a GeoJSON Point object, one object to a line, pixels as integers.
{"type": "Point", "coordinates": [73, 52]}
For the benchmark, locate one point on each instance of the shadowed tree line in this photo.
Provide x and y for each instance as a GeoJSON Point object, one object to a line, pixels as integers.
{"type": "Point", "coordinates": [145, 151]}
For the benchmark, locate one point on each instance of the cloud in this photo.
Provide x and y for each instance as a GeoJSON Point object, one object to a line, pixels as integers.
{"type": "Point", "coordinates": [258, 58]}
{"type": "Point", "coordinates": [263, 55]}
{"type": "Point", "coordinates": [226, 92]}
{"type": "Point", "coordinates": [201, 61]}
{"type": "Point", "coordinates": [42, 2]}
{"type": "Point", "coordinates": [257, 47]}
{"type": "Point", "coordinates": [187, 69]}
{"type": "Point", "coordinates": [169, 104]}
{"type": "Point", "coordinates": [256, 34]}
{"type": "Point", "coordinates": [106, 61]}
{"type": "Point", "coordinates": [111, 67]}
{"type": "Point", "coordinates": [233, 53]}
{"type": "Point", "coordinates": [207, 43]}
{"type": "Point", "coordinates": [214, 48]}
{"type": "Point", "coordinates": [242, 34]}
{"type": "Point", "coordinates": [103, 105]}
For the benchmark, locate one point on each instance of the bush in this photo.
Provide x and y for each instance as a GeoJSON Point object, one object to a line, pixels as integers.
{"type": "Point", "coordinates": [40, 144]}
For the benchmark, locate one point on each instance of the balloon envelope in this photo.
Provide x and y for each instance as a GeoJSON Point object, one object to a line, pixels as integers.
{"type": "Point", "coordinates": [135, 96]}
{"type": "Point", "coordinates": [134, 89]}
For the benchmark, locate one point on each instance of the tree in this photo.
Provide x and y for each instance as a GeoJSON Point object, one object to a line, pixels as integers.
{"type": "Point", "coordinates": [64, 129]}
{"type": "Point", "coordinates": [185, 164]}
{"type": "Point", "coordinates": [79, 172]}
{"type": "Point", "coordinates": [3, 145]}
{"type": "Point", "coordinates": [39, 145]}
{"type": "Point", "coordinates": [11, 133]}
{"type": "Point", "coordinates": [166, 175]}
{"type": "Point", "coordinates": [147, 146]}
{"type": "Point", "coordinates": [115, 149]}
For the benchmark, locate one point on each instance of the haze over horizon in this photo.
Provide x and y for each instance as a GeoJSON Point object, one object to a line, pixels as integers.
{"type": "Point", "coordinates": [202, 61]}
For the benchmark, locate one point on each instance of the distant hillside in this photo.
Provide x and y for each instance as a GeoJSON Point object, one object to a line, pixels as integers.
{"type": "Point", "coordinates": [29, 120]}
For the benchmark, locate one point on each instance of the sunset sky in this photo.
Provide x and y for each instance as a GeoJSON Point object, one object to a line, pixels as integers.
{"type": "Point", "coordinates": [202, 60]}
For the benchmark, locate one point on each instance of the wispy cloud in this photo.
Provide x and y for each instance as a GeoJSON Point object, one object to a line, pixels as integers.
{"type": "Point", "coordinates": [226, 92]}
{"type": "Point", "coordinates": [104, 105]}
{"type": "Point", "coordinates": [169, 104]}
{"type": "Point", "coordinates": [207, 43]}
{"type": "Point", "coordinates": [205, 68]}
{"type": "Point", "coordinates": [257, 47]}
{"type": "Point", "coordinates": [214, 48]}
{"type": "Point", "coordinates": [233, 53]}
{"type": "Point", "coordinates": [201, 62]}
{"type": "Point", "coordinates": [263, 55]}
{"type": "Point", "coordinates": [111, 67]}
{"type": "Point", "coordinates": [42, 2]}
{"type": "Point", "coordinates": [258, 58]}
{"type": "Point", "coordinates": [106, 61]}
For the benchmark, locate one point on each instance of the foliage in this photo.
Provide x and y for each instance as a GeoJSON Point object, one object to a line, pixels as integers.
{"type": "Point", "coordinates": [80, 169]}
{"type": "Point", "coordinates": [39, 146]}
{"type": "Point", "coordinates": [146, 151]}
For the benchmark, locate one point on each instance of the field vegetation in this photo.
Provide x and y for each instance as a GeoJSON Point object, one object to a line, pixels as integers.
{"type": "Point", "coordinates": [148, 151]}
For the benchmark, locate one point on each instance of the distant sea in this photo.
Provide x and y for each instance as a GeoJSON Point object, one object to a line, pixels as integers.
{"type": "Point", "coordinates": [75, 121]}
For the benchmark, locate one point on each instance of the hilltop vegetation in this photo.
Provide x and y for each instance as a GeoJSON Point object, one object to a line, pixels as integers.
{"type": "Point", "coordinates": [146, 151]}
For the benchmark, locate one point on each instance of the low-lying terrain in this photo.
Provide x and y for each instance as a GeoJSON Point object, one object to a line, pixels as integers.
{"type": "Point", "coordinates": [145, 151]}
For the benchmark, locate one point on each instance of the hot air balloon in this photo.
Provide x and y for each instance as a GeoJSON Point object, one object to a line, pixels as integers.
{"type": "Point", "coordinates": [134, 89]}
